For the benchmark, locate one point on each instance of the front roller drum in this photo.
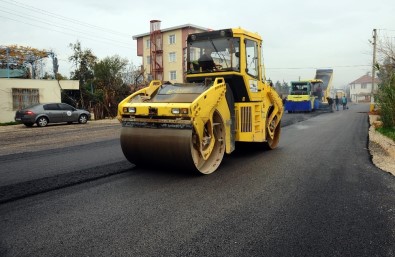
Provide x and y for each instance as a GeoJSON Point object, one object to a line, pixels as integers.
{"type": "Point", "coordinates": [157, 147]}
{"type": "Point", "coordinates": [177, 149]}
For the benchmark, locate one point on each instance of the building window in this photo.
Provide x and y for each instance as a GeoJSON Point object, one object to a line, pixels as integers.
{"type": "Point", "coordinates": [173, 75]}
{"type": "Point", "coordinates": [172, 57]}
{"type": "Point", "coordinates": [364, 86]}
{"type": "Point", "coordinates": [24, 97]}
{"type": "Point", "coordinates": [147, 43]}
{"type": "Point", "coordinates": [148, 60]}
{"type": "Point", "coordinates": [172, 39]}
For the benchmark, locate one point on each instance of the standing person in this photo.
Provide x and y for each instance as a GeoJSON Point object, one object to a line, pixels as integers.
{"type": "Point", "coordinates": [337, 102]}
{"type": "Point", "coordinates": [330, 103]}
{"type": "Point", "coordinates": [344, 102]}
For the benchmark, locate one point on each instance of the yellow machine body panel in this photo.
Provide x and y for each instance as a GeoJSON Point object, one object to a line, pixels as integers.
{"type": "Point", "coordinates": [300, 98]}
{"type": "Point", "coordinates": [250, 126]}
{"type": "Point", "coordinates": [224, 99]}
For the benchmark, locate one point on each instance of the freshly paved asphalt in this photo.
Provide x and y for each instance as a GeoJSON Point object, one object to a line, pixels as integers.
{"type": "Point", "coordinates": [317, 194]}
{"type": "Point", "coordinates": [29, 173]}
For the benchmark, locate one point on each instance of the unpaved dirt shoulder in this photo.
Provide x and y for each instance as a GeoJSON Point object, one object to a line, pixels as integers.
{"type": "Point", "coordinates": [382, 149]}
{"type": "Point", "coordinates": [19, 138]}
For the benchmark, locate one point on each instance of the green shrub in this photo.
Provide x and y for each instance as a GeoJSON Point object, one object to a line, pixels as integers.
{"type": "Point", "coordinates": [388, 132]}
{"type": "Point", "coordinates": [385, 98]}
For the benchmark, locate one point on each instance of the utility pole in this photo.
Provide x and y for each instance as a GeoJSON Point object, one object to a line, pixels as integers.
{"type": "Point", "coordinates": [8, 62]}
{"type": "Point", "coordinates": [373, 69]}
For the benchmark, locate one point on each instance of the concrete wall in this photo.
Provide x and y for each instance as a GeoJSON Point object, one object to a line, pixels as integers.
{"type": "Point", "coordinates": [49, 91]}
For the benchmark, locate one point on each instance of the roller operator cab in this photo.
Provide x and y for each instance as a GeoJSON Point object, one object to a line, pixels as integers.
{"type": "Point", "coordinates": [191, 125]}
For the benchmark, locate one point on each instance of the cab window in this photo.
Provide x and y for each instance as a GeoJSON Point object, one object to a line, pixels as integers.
{"type": "Point", "coordinates": [252, 58]}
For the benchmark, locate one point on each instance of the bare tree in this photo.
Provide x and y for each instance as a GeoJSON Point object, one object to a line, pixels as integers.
{"type": "Point", "coordinates": [385, 95]}
{"type": "Point", "coordinates": [84, 61]}
{"type": "Point", "coordinates": [24, 58]}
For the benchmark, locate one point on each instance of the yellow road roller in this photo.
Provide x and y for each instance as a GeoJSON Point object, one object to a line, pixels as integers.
{"type": "Point", "coordinates": [225, 99]}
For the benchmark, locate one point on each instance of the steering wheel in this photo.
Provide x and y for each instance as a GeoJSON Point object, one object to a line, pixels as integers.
{"type": "Point", "coordinates": [218, 67]}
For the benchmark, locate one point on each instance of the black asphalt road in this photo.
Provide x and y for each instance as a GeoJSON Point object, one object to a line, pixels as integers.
{"type": "Point", "coordinates": [317, 194]}
{"type": "Point", "coordinates": [28, 173]}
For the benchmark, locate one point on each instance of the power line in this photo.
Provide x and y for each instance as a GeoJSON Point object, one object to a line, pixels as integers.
{"type": "Point", "coordinates": [387, 30]}
{"type": "Point", "coordinates": [313, 68]}
{"type": "Point", "coordinates": [57, 16]}
{"type": "Point", "coordinates": [50, 24]}
{"type": "Point", "coordinates": [59, 26]}
{"type": "Point", "coordinates": [64, 32]}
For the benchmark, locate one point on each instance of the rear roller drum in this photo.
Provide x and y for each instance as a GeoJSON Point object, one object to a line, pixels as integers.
{"type": "Point", "coordinates": [272, 142]}
{"type": "Point", "coordinates": [216, 133]}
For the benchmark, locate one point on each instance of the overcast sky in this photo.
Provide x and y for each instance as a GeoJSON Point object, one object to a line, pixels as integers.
{"type": "Point", "coordinates": [299, 36]}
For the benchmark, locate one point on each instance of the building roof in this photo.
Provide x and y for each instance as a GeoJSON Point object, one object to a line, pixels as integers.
{"type": "Point", "coordinates": [365, 79]}
{"type": "Point", "coordinates": [172, 28]}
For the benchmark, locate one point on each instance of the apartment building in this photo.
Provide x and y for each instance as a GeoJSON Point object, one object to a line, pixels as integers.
{"type": "Point", "coordinates": [163, 51]}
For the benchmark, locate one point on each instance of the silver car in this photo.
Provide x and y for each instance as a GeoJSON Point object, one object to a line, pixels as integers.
{"type": "Point", "coordinates": [42, 114]}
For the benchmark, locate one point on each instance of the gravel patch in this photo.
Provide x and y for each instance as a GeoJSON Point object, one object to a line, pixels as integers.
{"type": "Point", "coordinates": [21, 139]}
{"type": "Point", "coordinates": [382, 149]}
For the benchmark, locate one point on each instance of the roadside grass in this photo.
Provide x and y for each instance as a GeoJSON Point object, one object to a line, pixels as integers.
{"type": "Point", "coordinates": [388, 132]}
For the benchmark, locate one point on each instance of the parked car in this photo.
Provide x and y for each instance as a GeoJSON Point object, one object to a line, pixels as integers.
{"type": "Point", "coordinates": [42, 114]}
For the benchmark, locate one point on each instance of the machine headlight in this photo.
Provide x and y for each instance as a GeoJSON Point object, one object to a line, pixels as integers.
{"type": "Point", "coordinates": [179, 110]}
{"type": "Point", "coordinates": [129, 109]}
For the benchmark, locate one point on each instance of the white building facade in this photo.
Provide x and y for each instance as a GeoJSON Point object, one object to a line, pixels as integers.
{"type": "Point", "coordinates": [362, 89]}
{"type": "Point", "coordinates": [19, 93]}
